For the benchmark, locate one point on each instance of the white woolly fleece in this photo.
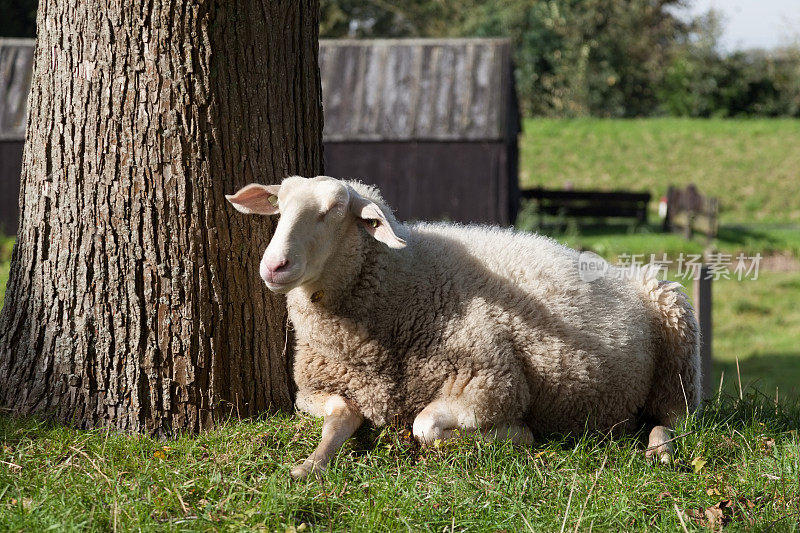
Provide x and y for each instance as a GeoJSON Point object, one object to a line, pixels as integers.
{"type": "Point", "coordinates": [497, 321]}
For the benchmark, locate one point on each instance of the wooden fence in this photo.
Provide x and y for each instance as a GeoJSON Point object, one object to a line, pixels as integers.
{"type": "Point", "coordinates": [690, 212]}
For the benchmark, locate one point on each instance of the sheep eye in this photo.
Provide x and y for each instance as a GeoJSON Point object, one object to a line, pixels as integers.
{"type": "Point", "coordinates": [374, 223]}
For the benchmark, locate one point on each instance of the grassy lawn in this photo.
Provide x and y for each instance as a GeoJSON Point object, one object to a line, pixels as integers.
{"type": "Point", "coordinates": [612, 240]}
{"type": "Point", "coordinates": [753, 166]}
{"type": "Point", "coordinates": [758, 322]}
{"type": "Point", "coordinates": [738, 463]}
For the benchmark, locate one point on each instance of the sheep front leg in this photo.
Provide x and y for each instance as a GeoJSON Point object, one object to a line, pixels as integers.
{"type": "Point", "coordinates": [441, 419]}
{"type": "Point", "coordinates": [517, 433]}
{"type": "Point", "coordinates": [342, 419]}
{"type": "Point", "coordinates": [436, 421]}
{"type": "Point", "coordinates": [659, 445]}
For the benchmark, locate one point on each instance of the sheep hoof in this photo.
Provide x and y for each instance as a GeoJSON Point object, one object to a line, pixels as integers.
{"type": "Point", "coordinates": [302, 471]}
{"type": "Point", "coordinates": [662, 456]}
{"type": "Point", "coordinates": [660, 445]}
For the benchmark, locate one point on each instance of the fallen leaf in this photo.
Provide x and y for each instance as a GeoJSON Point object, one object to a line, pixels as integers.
{"type": "Point", "coordinates": [696, 514]}
{"type": "Point", "coordinates": [713, 492]}
{"type": "Point", "coordinates": [698, 463]}
{"type": "Point", "coordinates": [722, 513]}
{"type": "Point", "coordinates": [719, 515]}
{"type": "Point", "coordinates": [768, 443]}
{"type": "Point", "coordinates": [159, 454]}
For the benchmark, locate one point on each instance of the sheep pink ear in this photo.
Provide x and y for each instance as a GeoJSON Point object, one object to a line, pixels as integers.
{"type": "Point", "coordinates": [256, 199]}
{"type": "Point", "coordinates": [375, 222]}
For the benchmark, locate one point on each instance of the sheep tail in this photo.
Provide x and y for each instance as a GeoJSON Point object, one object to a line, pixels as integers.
{"type": "Point", "coordinates": [677, 382]}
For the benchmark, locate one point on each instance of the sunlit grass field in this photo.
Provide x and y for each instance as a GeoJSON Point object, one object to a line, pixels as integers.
{"type": "Point", "coordinates": [737, 463]}
{"type": "Point", "coordinates": [758, 323]}
{"type": "Point", "coordinates": [753, 166]}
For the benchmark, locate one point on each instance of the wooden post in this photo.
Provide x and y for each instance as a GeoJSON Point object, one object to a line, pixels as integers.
{"type": "Point", "coordinates": [702, 302]}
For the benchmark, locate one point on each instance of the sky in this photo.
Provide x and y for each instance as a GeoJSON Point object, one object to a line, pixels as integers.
{"type": "Point", "coordinates": [754, 23]}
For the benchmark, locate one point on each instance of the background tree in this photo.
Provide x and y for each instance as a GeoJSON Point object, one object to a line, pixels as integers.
{"type": "Point", "coordinates": [573, 57]}
{"type": "Point", "coordinates": [134, 299]}
{"type": "Point", "coordinates": [700, 81]}
{"type": "Point", "coordinates": [608, 58]}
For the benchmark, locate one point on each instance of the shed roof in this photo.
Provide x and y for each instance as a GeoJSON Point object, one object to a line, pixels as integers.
{"type": "Point", "coordinates": [16, 65]}
{"type": "Point", "coordinates": [373, 89]}
{"type": "Point", "coordinates": [417, 89]}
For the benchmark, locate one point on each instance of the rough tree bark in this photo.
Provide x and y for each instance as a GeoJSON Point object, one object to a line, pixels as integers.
{"type": "Point", "coordinates": [134, 299]}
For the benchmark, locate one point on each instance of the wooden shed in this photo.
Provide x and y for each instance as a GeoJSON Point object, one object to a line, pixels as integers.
{"type": "Point", "coordinates": [432, 122]}
{"type": "Point", "coordinates": [16, 65]}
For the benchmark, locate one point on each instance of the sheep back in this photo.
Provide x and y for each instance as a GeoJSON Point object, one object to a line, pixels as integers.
{"type": "Point", "coordinates": [497, 319]}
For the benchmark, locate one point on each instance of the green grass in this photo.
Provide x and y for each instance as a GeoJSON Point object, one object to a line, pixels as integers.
{"type": "Point", "coordinates": [743, 451]}
{"type": "Point", "coordinates": [758, 323]}
{"type": "Point", "coordinates": [236, 478]}
{"type": "Point", "coordinates": [753, 166]}
{"type": "Point", "coordinates": [612, 240]}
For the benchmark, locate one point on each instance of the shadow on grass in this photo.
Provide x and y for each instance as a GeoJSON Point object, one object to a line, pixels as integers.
{"type": "Point", "coordinates": [554, 227]}
{"type": "Point", "coordinates": [742, 235]}
{"type": "Point", "coordinates": [764, 373]}
{"type": "Point", "coordinates": [732, 236]}
{"type": "Point", "coordinates": [754, 408]}
{"type": "Point", "coordinates": [624, 232]}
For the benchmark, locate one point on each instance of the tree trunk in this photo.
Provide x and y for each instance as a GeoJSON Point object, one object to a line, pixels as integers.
{"type": "Point", "coordinates": [134, 299]}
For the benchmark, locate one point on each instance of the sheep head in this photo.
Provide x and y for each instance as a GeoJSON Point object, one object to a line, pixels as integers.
{"type": "Point", "coordinates": [314, 215]}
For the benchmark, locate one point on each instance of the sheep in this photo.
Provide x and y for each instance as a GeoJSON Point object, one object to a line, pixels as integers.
{"type": "Point", "coordinates": [455, 329]}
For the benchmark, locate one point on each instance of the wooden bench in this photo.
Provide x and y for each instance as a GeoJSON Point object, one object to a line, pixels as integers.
{"type": "Point", "coordinates": [690, 212]}
{"type": "Point", "coordinates": [589, 204]}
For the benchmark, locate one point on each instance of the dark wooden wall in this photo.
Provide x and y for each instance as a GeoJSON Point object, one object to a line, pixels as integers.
{"type": "Point", "coordinates": [10, 171]}
{"type": "Point", "coordinates": [433, 123]}
{"type": "Point", "coordinates": [457, 181]}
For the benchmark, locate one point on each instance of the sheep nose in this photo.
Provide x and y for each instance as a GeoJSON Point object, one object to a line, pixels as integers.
{"type": "Point", "coordinates": [272, 266]}
{"type": "Point", "coordinates": [277, 264]}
